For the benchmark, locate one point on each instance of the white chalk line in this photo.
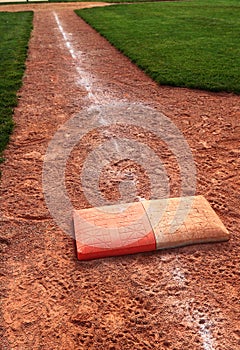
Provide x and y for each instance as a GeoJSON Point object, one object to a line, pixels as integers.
{"type": "Point", "coordinates": [68, 44]}
{"type": "Point", "coordinates": [206, 337]}
{"type": "Point", "coordinates": [84, 79]}
{"type": "Point", "coordinates": [184, 306]}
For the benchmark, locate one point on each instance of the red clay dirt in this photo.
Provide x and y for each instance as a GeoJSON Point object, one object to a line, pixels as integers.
{"type": "Point", "coordinates": [179, 299]}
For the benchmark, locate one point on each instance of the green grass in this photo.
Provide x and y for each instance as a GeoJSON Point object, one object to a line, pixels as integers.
{"type": "Point", "coordinates": [15, 31]}
{"type": "Point", "coordinates": [113, 1]}
{"type": "Point", "coordinates": [193, 44]}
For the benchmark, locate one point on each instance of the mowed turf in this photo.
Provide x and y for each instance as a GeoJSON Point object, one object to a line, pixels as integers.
{"type": "Point", "coordinates": [193, 44]}
{"type": "Point", "coordinates": [113, 1]}
{"type": "Point", "coordinates": [15, 31]}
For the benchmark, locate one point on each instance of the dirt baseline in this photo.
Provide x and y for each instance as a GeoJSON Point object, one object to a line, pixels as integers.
{"type": "Point", "coordinates": [178, 299]}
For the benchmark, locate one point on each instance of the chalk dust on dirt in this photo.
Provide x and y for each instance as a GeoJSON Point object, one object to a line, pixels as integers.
{"type": "Point", "coordinates": [184, 298]}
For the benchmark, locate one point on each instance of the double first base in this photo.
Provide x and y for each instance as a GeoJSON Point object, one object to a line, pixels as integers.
{"type": "Point", "coordinates": [146, 226]}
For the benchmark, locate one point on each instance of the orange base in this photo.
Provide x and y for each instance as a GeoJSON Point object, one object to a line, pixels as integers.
{"type": "Point", "coordinates": [146, 226]}
{"type": "Point", "coordinates": [145, 244]}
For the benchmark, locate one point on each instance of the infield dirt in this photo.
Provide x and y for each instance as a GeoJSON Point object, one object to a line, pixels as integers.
{"type": "Point", "coordinates": [179, 299]}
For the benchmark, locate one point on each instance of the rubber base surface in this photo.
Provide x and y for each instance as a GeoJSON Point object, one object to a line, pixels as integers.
{"type": "Point", "coordinates": [146, 226]}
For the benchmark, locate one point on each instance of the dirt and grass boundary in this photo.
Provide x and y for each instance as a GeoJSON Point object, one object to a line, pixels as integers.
{"type": "Point", "coordinates": [15, 31]}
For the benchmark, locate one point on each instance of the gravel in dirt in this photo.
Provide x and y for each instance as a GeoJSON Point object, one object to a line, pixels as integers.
{"type": "Point", "coordinates": [186, 298]}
